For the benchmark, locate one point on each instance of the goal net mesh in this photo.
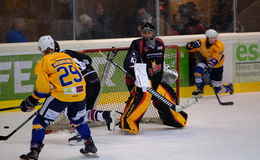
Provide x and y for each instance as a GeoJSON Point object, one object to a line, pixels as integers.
{"type": "Point", "coordinates": [114, 93]}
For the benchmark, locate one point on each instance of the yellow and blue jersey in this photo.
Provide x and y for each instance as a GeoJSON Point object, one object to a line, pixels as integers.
{"type": "Point", "coordinates": [58, 75]}
{"type": "Point", "coordinates": [214, 54]}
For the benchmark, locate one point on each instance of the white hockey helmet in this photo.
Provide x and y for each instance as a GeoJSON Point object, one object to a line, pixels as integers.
{"type": "Point", "coordinates": [46, 43]}
{"type": "Point", "coordinates": [210, 33]}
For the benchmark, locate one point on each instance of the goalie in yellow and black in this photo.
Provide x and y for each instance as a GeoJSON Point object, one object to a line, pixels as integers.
{"type": "Point", "coordinates": [210, 63]}
{"type": "Point", "coordinates": [148, 54]}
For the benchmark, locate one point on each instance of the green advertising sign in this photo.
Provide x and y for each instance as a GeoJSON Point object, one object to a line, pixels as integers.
{"type": "Point", "coordinates": [184, 68]}
{"type": "Point", "coordinates": [247, 62]}
{"type": "Point", "coordinates": [17, 75]}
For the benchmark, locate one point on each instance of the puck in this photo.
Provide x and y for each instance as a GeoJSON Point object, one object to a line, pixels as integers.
{"type": "Point", "coordinates": [6, 127]}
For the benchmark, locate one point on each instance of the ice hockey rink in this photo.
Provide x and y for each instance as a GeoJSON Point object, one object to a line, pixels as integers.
{"type": "Point", "coordinates": [214, 132]}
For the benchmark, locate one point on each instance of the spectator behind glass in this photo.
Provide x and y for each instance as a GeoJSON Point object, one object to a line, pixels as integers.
{"type": "Point", "coordinates": [15, 34]}
{"type": "Point", "coordinates": [101, 24]}
{"type": "Point", "coordinates": [195, 27]}
{"type": "Point", "coordinates": [189, 17]}
{"type": "Point", "coordinates": [178, 25]}
{"type": "Point", "coordinates": [134, 23]}
{"type": "Point", "coordinates": [84, 27]}
{"type": "Point", "coordinates": [222, 19]}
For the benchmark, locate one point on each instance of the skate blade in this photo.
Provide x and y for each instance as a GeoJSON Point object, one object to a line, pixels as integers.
{"type": "Point", "coordinates": [91, 155]}
{"type": "Point", "coordinates": [75, 143]}
{"type": "Point", "coordinates": [197, 96]}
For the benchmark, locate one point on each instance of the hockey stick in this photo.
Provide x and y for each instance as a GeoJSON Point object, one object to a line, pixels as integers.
{"type": "Point", "coordinates": [220, 102]}
{"type": "Point", "coordinates": [176, 108]}
{"type": "Point", "coordinates": [10, 108]}
{"type": "Point", "coordinates": [3, 138]}
{"type": "Point", "coordinates": [216, 94]}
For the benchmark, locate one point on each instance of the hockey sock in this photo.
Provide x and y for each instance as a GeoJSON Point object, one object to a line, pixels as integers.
{"type": "Point", "coordinates": [38, 131]}
{"type": "Point", "coordinates": [199, 82]}
{"type": "Point", "coordinates": [94, 115]}
{"type": "Point", "coordinates": [83, 131]}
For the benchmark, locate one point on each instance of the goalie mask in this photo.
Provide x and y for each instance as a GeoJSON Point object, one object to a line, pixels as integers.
{"type": "Point", "coordinates": [46, 43]}
{"type": "Point", "coordinates": [169, 76]}
{"type": "Point", "coordinates": [147, 32]}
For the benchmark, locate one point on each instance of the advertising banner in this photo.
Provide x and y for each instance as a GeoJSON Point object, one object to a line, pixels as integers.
{"type": "Point", "coordinates": [246, 62]}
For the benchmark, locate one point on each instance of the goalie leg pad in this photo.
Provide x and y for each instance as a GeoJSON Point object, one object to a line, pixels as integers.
{"type": "Point", "coordinates": [168, 116]}
{"type": "Point", "coordinates": [134, 110]}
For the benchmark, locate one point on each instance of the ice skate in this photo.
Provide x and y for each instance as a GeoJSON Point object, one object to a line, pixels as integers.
{"type": "Point", "coordinates": [110, 118]}
{"type": "Point", "coordinates": [90, 149]}
{"type": "Point", "coordinates": [230, 88]}
{"type": "Point", "coordinates": [33, 154]}
{"type": "Point", "coordinates": [75, 140]}
{"type": "Point", "coordinates": [198, 93]}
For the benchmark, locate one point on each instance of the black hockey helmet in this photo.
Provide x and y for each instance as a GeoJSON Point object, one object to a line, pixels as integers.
{"type": "Point", "coordinates": [148, 27]}
{"type": "Point", "coordinates": [56, 46]}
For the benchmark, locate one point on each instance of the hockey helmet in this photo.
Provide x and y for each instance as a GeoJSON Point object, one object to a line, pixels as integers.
{"type": "Point", "coordinates": [46, 43]}
{"type": "Point", "coordinates": [147, 32]}
{"type": "Point", "coordinates": [210, 33]}
{"type": "Point", "coordinates": [148, 27]}
{"type": "Point", "coordinates": [57, 46]}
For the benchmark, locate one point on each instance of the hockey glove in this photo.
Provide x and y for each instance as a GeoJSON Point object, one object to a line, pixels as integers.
{"type": "Point", "coordinates": [208, 68]}
{"type": "Point", "coordinates": [193, 44]}
{"type": "Point", "coordinates": [196, 44]}
{"type": "Point", "coordinates": [28, 104]}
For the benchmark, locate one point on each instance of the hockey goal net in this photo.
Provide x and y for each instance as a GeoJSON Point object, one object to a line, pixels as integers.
{"type": "Point", "coordinates": [114, 93]}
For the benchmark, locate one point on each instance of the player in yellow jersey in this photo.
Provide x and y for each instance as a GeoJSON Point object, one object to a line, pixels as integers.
{"type": "Point", "coordinates": [211, 62]}
{"type": "Point", "coordinates": [59, 80]}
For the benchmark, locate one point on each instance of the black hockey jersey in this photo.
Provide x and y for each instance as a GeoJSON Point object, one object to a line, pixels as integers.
{"type": "Point", "coordinates": [153, 57]}
{"type": "Point", "coordinates": [84, 63]}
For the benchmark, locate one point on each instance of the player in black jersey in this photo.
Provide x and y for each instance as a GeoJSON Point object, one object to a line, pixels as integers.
{"type": "Point", "coordinates": [84, 63]}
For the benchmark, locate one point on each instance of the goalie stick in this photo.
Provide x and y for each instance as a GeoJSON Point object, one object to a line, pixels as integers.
{"type": "Point", "coordinates": [17, 128]}
{"type": "Point", "coordinates": [176, 108]}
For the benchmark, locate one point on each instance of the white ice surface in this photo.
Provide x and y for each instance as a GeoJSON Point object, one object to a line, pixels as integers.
{"type": "Point", "coordinates": [214, 132]}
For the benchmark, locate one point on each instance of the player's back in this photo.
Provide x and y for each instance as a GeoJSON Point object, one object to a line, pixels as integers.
{"type": "Point", "coordinates": [63, 75]}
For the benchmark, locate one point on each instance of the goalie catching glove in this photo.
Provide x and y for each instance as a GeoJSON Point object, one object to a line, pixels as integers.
{"type": "Point", "coordinates": [28, 104]}
{"type": "Point", "coordinates": [169, 76]}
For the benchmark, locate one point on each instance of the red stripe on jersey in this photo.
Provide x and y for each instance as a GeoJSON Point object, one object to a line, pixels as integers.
{"type": "Point", "coordinates": [79, 88]}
